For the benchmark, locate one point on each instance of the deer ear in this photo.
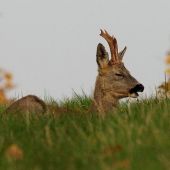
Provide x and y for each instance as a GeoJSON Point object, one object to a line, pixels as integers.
{"type": "Point", "coordinates": [121, 54]}
{"type": "Point", "coordinates": [102, 56]}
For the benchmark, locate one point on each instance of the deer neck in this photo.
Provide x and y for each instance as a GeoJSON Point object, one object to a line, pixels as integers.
{"type": "Point", "coordinates": [103, 100]}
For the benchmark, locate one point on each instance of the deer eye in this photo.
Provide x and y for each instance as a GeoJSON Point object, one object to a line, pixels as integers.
{"type": "Point", "coordinates": [120, 75]}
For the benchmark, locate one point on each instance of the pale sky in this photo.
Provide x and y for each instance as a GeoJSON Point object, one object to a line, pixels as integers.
{"type": "Point", "coordinates": [50, 45]}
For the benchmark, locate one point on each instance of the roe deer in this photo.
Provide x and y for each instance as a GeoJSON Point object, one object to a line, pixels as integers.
{"type": "Point", "coordinates": [113, 82]}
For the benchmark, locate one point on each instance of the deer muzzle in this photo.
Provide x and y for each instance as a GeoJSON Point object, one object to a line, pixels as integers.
{"type": "Point", "coordinates": [134, 91]}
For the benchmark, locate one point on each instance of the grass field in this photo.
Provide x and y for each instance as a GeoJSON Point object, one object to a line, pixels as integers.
{"type": "Point", "coordinates": [137, 137]}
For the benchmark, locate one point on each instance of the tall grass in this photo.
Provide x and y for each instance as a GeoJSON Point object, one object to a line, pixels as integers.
{"type": "Point", "coordinates": [136, 137]}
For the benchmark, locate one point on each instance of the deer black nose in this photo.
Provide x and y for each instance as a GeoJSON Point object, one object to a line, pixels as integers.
{"type": "Point", "coordinates": [137, 88]}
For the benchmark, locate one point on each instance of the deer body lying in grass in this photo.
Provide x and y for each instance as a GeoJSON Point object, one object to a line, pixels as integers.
{"type": "Point", "coordinates": [113, 82]}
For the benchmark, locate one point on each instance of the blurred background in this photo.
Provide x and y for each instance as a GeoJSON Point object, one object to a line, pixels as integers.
{"type": "Point", "coordinates": [49, 47]}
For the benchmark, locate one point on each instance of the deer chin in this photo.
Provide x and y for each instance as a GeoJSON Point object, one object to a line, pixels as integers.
{"type": "Point", "coordinates": [134, 95]}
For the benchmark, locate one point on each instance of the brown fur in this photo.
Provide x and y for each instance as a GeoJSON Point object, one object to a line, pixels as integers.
{"type": "Point", "coordinates": [113, 82]}
{"type": "Point", "coordinates": [30, 103]}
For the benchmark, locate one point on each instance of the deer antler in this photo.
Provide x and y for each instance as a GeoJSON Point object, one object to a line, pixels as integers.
{"type": "Point", "coordinates": [111, 40]}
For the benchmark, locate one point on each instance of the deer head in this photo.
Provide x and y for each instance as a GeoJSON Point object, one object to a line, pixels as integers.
{"type": "Point", "coordinates": [114, 81]}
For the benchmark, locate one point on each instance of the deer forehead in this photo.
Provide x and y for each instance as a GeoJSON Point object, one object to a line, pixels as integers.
{"type": "Point", "coordinates": [113, 69]}
{"type": "Point", "coordinates": [119, 68]}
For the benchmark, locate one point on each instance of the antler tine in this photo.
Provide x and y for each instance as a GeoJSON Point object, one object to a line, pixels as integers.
{"type": "Point", "coordinates": [108, 34]}
{"type": "Point", "coordinates": [115, 48]}
{"type": "Point", "coordinates": [112, 44]}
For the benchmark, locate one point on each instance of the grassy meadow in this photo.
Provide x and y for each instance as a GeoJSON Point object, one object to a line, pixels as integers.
{"type": "Point", "coordinates": [137, 137]}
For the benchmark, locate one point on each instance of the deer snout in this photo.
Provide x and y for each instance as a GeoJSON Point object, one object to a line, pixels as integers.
{"type": "Point", "coordinates": [137, 88]}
